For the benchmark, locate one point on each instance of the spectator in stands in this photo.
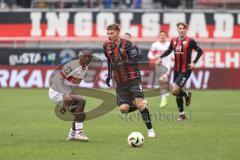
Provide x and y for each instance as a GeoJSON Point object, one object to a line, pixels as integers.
{"type": "Point", "coordinates": [166, 3]}
{"type": "Point", "coordinates": [24, 3]}
{"type": "Point", "coordinates": [10, 3]}
{"type": "Point", "coordinates": [159, 3]}
{"type": "Point", "coordinates": [128, 3]}
{"type": "Point", "coordinates": [137, 4]}
{"type": "Point", "coordinates": [107, 4]}
{"type": "Point", "coordinates": [40, 4]}
{"type": "Point", "coordinates": [173, 3]}
{"type": "Point", "coordinates": [189, 4]}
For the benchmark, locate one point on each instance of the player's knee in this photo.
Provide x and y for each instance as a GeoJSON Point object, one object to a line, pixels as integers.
{"type": "Point", "coordinates": [79, 105]}
{"type": "Point", "coordinates": [78, 100]}
{"type": "Point", "coordinates": [124, 108]}
{"type": "Point", "coordinates": [175, 92]}
{"type": "Point", "coordinates": [140, 104]}
{"type": "Point", "coordinates": [162, 82]}
{"type": "Point", "coordinates": [83, 102]}
{"type": "Point", "coordinates": [79, 116]}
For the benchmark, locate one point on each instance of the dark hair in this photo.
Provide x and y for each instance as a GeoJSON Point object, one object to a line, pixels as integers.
{"type": "Point", "coordinates": [86, 51]}
{"type": "Point", "coordinates": [183, 24]}
{"type": "Point", "coordinates": [128, 34]}
{"type": "Point", "coordinates": [163, 32]}
{"type": "Point", "coordinates": [114, 27]}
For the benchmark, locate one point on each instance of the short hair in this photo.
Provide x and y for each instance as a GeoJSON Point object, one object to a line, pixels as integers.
{"type": "Point", "coordinates": [163, 32]}
{"type": "Point", "coordinates": [114, 27]}
{"type": "Point", "coordinates": [86, 51]}
{"type": "Point", "coordinates": [128, 34]}
{"type": "Point", "coordinates": [183, 24]}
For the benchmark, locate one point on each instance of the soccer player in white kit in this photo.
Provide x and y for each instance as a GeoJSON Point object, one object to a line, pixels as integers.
{"type": "Point", "coordinates": [64, 81]}
{"type": "Point", "coordinates": [154, 53]}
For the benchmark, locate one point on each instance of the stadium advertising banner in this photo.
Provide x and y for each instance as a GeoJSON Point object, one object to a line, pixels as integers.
{"type": "Point", "coordinates": [212, 58]}
{"type": "Point", "coordinates": [28, 68]}
{"type": "Point", "coordinates": [92, 25]}
{"type": "Point", "coordinates": [38, 76]}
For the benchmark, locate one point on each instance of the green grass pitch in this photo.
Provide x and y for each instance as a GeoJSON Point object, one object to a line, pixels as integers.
{"type": "Point", "coordinates": [30, 130]}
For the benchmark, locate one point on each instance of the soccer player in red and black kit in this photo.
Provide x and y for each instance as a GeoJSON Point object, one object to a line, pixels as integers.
{"type": "Point", "coordinates": [182, 47]}
{"type": "Point", "coordinates": [122, 59]}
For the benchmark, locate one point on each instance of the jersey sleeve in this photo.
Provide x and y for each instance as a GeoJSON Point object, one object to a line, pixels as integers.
{"type": "Point", "coordinates": [169, 50]}
{"type": "Point", "coordinates": [105, 49]}
{"type": "Point", "coordinates": [196, 47]}
{"type": "Point", "coordinates": [69, 69]}
{"type": "Point", "coordinates": [108, 60]}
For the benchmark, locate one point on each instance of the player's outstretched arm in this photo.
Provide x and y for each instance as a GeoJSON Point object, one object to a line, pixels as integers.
{"type": "Point", "coordinates": [198, 50]}
{"type": "Point", "coordinates": [168, 51]}
{"type": "Point", "coordinates": [199, 54]}
{"type": "Point", "coordinates": [109, 76]}
{"type": "Point", "coordinates": [109, 73]}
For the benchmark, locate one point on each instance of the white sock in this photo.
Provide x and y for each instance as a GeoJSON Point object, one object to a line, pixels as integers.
{"type": "Point", "coordinates": [150, 130]}
{"type": "Point", "coordinates": [164, 95]}
{"type": "Point", "coordinates": [181, 113]}
{"type": "Point", "coordinates": [72, 132]}
{"type": "Point", "coordinates": [78, 127]}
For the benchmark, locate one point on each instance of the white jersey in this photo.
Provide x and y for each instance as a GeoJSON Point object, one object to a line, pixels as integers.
{"type": "Point", "coordinates": [63, 79]}
{"type": "Point", "coordinates": [157, 50]}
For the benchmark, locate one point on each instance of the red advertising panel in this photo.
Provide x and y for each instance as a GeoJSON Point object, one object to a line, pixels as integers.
{"type": "Point", "coordinates": [38, 76]}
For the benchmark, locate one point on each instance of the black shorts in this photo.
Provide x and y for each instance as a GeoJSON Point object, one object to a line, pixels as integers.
{"type": "Point", "coordinates": [180, 78]}
{"type": "Point", "coordinates": [127, 92]}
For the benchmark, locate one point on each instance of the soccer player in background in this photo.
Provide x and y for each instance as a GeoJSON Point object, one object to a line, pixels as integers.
{"type": "Point", "coordinates": [128, 37]}
{"type": "Point", "coordinates": [156, 50]}
{"type": "Point", "coordinates": [182, 47]}
{"type": "Point", "coordinates": [64, 80]}
{"type": "Point", "coordinates": [122, 59]}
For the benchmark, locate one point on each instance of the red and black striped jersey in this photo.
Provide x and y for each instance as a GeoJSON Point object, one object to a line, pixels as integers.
{"type": "Point", "coordinates": [119, 60]}
{"type": "Point", "coordinates": [183, 52]}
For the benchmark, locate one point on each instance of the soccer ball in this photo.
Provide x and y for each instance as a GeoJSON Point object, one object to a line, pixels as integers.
{"type": "Point", "coordinates": [135, 139]}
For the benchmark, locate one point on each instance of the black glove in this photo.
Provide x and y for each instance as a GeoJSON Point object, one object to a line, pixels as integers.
{"type": "Point", "coordinates": [108, 81]}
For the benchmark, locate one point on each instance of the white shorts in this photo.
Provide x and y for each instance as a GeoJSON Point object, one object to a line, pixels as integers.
{"type": "Point", "coordinates": [55, 96]}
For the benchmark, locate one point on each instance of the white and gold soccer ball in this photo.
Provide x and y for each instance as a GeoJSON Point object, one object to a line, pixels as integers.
{"type": "Point", "coordinates": [135, 139]}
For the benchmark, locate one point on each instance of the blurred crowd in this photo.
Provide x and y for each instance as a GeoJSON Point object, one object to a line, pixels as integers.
{"type": "Point", "coordinates": [106, 4]}
{"type": "Point", "coordinates": [122, 4]}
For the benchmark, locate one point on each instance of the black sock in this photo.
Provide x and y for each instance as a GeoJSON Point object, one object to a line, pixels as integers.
{"type": "Point", "coordinates": [73, 126]}
{"type": "Point", "coordinates": [180, 103]}
{"type": "Point", "coordinates": [146, 117]}
{"type": "Point", "coordinates": [182, 93]}
{"type": "Point", "coordinates": [132, 108]}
